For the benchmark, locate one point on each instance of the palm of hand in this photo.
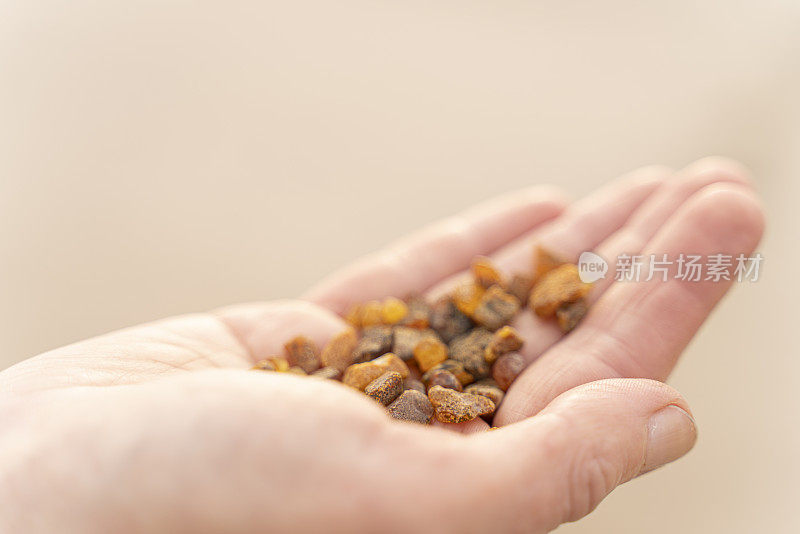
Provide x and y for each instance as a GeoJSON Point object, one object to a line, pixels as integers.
{"type": "Point", "coordinates": [236, 451]}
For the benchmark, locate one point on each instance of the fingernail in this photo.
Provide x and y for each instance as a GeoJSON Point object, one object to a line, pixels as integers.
{"type": "Point", "coordinates": [671, 433]}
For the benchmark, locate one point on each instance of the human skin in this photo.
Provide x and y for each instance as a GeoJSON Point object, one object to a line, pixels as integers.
{"type": "Point", "coordinates": [162, 427]}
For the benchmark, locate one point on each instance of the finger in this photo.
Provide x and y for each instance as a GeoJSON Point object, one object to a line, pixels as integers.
{"type": "Point", "coordinates": [658, 208]}
{"type": "Point", "coordinates": [581, 227]}
{"type": "Point", "coordinates": [413, 264]}
{"type": "Point", "coordinates": [263, 327]}
{"type": "Point", "coordinates": [638, 329]}
{"type": "Point", "coordinates": [633, 236]}
{"type": "Point", "coordinates": [558, 466]}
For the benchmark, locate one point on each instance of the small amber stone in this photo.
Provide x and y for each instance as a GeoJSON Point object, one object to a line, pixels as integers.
{"type": "Point", "coordinates": [469, 350]}
{"type": "Point", "coordinates": [545, 261]}
{"type": "Point", "coordinates": [488, 388]}
{"type": "Point", "coordinates": [412, 406]}
{"type": "Point", "coordinates": [452, 406]}
{"type": "Point", "coordinates": [359, 375]}
{"type": "Point", "coordinates": [392, 363]}
{"type": "Point", "coordinates": [281, 364]}
{"type": "Point", "coordinates": [467, 297]}
{"type": "Point", "coordinates": [496, 308]}
{"type": "Point", "coordinates": [393, 311]}
{"type": "Point", "coordinates": [295, 370]}
{"type": "Point", "coordinates": [418, 313]}
{"type": "Point", "coordinates": [303, 353]}
{"type": "Point", "coordinates": [429, 352]}
{"type": "Point", "coordinates": [505, 340]}
{"type": "Point", "coordinates": [331, 373]}
{"type": "Point", "coordinates": [570, 314]}
{"type": "Point", "coordinates": [443, 378]}
{"type": "Point", "coordinates": [560, 286]}
{"type": "Point", "coordinates": [264, 365]}
{"type": "Point", "coordinates": [457, 368]}
{"type": "Point", "coordinates": [507, 368]}
{"type": "Point", "coordinates": [386, 388]}
{"type": "Point", "coordinates": [485, 273]}
{"type": "Point", "coordinates": [520, 286]}
{"type": "Point", "coordinates": [338, 352]}
{"type": "Point", "coordinates": [371, 313]}
{"type": "Point", "coordinates": [448, 321]}
{"type": "Point", "coordinates": [375, 340]}
{"type": "Point", "coordinates": [406, 338]}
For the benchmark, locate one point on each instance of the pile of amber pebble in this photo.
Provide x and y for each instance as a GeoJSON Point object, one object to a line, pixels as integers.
{"type": "Point", "coordinates": [453, 358]}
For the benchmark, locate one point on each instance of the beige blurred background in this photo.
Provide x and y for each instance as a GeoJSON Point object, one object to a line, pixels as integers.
{"type": "Point", "coordinates": [159, 157]}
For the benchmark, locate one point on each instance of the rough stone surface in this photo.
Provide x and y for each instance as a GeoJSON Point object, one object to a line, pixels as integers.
{"type": "Point", "coordinates": [448, 320]}
{"type": "Point", "coordinates": [469, 351]}
{"type": "Point", "coordinates": [488, 388]}
{"type": "Point", "coordinates": [559, 286]}
{"type": "Point", "coordinates": [386, 388]}
{"type": "Point", "coordinates": [375, 340]}
{"type": "Point", "coordinates": [338, 352]}
{"type": "Point", "coordinates": [412, 406]}
{"type": "Point", "coordinates": [359, 375]}
{"type": "Point", "coordinates": [453, 407]}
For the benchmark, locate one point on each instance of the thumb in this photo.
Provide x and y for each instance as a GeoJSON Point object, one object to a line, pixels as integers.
{"type": "Point", "coordinates": [560, 464]}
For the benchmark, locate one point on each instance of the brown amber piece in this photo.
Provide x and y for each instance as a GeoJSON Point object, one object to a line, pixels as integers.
{"type": "Point", "coordinates": [496, 308]}
{"type": "Point", "coordinates": [338, 352]}
{"type": "Point", "coordinates": [489, 389]}
{"type": "Point", "coordinates": [450, 406]}
{"type": "Point", "coordinates": [419, 312]}
{"type": "Point", "coordinates": [503, 341]}
{"type": "Point", "coordinates": [394, 310]}
{"type": "Point", "coordinates": [560, 286]}
{"type": "Point", "coordinates": [303, 353]}
{"type": "Point", "coordinates": [295, 370]}
{"type": "Point", "coordinates": [506, 369]}
{"type": "Point", "coordinates": [412, 406]}
{"type": "Point", "coordinates": [386, 388]}
{"type": "Point", "coordinates": [570, 314]}
{"type": "Point", "coordinates": [469, 351]}
{"type": "Point", "coordinates": [485, 273]}
{"type": "Point", "coordinates": [457, 368]}
{"type": "Point", "coordinates": [264, 365]}
{"type": "Point", "coordinates": [467, 297]}
{"type": "Point", "coordinates": [429, 352]}
{"type": "Point", "coordinates": [443, 378]}
{"type": "Point", "coordinates": [545, 261]}
{"type": "Point", "coordinates": [375, 340]}
{"type": "Point", "coordinates": [406, 338]}
{"type": "Point", "coordinates": [331, 373]}
{"type": "Point", "coordinates": [413, 383]}
{"type": "Point", "coordinates": [520, 286]}
{"type": "Point", "coordinates": [448, 320]}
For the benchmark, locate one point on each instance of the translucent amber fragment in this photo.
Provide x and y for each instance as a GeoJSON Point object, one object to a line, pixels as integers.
{"type": "Point", "coordinates": [485, 273]}
{"type": "Point", "coordinates": [506, 369]}
{"type": "Point", "coordinates": [569, 315]}
{"type": "Point", "coordinates": [429, 352]}
{"type": "Point", "coordinates": [394, 310]}
{"type": "Point", "coordinates": [467, 297]}
{"type": "Point", "coordinates": [371, 313]}
{"type": "Point", "coordinates": [496, 308]}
